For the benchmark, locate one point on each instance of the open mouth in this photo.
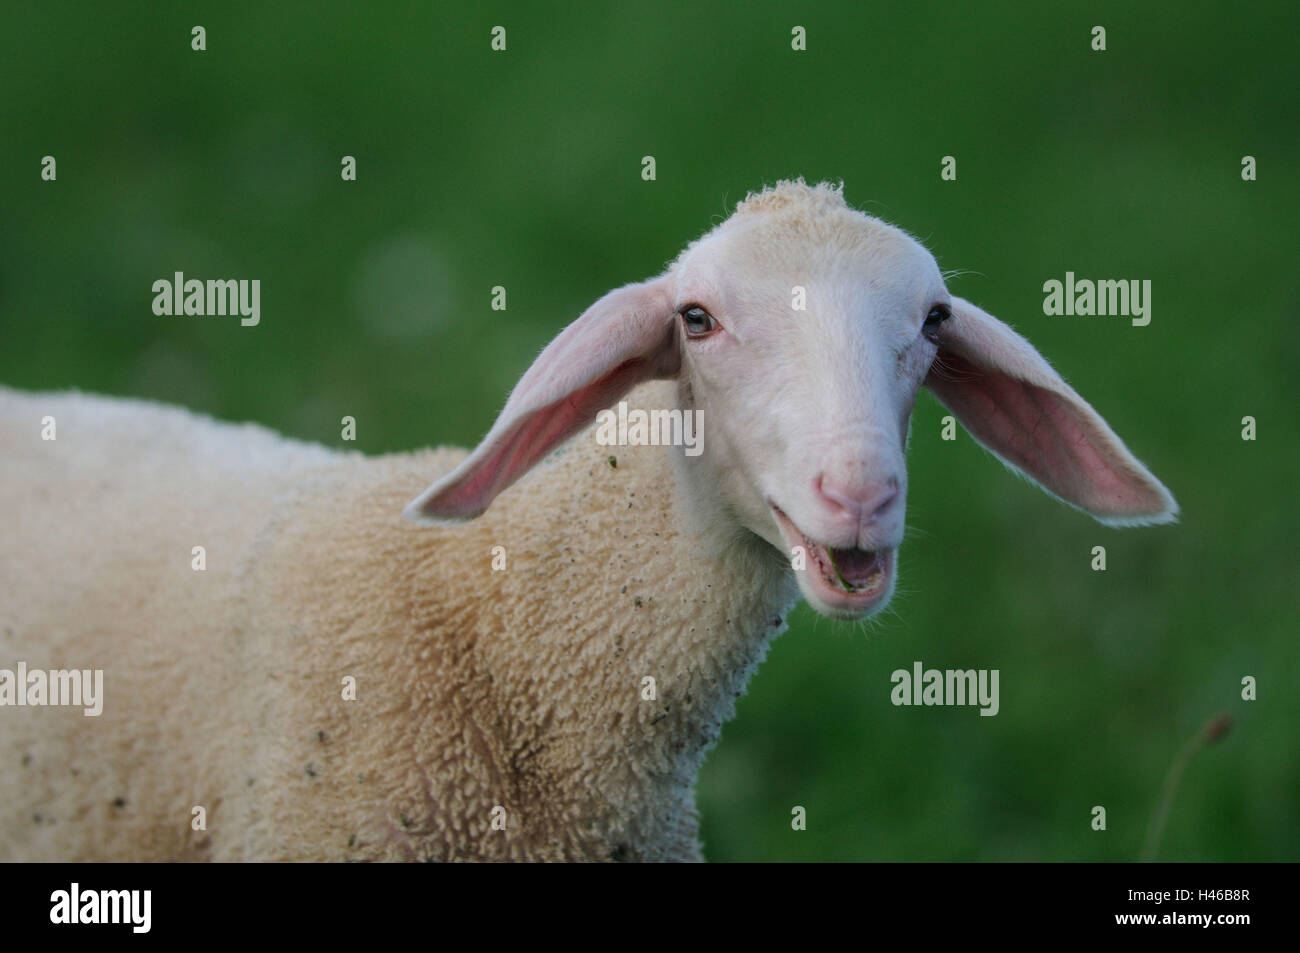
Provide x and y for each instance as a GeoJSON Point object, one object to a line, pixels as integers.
{"type": "Point", "coordinates": [848, 580]}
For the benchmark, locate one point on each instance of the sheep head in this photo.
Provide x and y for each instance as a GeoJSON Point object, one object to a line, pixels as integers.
{"type": "Point", "coordinates": [802, 330]}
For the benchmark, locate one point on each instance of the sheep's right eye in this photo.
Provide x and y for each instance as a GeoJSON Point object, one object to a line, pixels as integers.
{"type": "Point", "coordinates": [698, 322]}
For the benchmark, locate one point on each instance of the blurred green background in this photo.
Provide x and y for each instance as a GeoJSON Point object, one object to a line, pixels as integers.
{"type": "Point", "coordinates": [523, 169]}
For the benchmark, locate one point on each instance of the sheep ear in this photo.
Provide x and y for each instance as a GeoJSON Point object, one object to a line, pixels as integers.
{"type": "Point", "coordinates": [623, 339]}
{"type": "Point", "coordinates": [1011, 401]}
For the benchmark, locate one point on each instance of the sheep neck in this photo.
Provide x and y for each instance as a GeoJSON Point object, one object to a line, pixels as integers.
{"type": "Point", "coordinates": [598, 666]}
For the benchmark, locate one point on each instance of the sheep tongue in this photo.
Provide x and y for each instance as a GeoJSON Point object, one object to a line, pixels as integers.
{"type": "Point", "coordinates": [856, 567]}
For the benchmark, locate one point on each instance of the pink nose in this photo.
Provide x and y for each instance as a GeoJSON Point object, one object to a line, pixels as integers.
{"type": "Point", "coordinates": [866, 503]}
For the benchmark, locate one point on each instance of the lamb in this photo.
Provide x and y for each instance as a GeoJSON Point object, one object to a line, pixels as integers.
{"type": "Point", "coordinates": [339, 684]}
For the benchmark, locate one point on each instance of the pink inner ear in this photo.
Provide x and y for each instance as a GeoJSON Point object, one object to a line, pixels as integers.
{"type": "Point", "coordinates": [1045, 435]}
{"type": "Point", "coordinates": [531, 438]}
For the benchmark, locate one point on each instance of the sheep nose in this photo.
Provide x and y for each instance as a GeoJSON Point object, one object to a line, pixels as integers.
{"type": "Point", "coordinates": [866, 503]}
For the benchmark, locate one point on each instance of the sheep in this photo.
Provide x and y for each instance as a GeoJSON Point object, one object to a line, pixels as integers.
{"type": "Point", "coordinates": [537, 671]}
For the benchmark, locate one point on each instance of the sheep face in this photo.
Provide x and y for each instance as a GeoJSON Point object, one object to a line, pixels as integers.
{"type": "Point", "coordinates": [804, 344]}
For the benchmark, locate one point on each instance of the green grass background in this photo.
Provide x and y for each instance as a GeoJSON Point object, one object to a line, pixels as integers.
{"type": "Point", "coordinates": [523, 169]}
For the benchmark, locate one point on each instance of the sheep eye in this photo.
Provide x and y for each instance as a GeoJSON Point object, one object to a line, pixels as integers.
{"type": "Point", "coordinates": [698, 321]}
{"type": "Point", "coordinates": [930, 329]}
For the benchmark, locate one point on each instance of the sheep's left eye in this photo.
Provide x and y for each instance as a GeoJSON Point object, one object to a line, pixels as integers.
{"type": "Point", "coordinates": [930, 329]}
{"type": "Point", "coordinates": [698, 321]}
